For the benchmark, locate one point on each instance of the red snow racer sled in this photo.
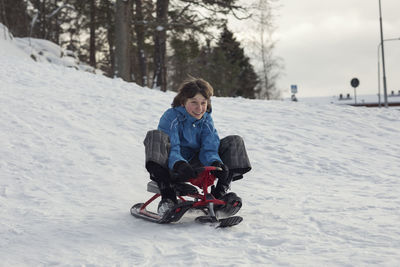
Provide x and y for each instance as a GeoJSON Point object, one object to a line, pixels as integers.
{"type": "Point", "coordinates": [212, 207]}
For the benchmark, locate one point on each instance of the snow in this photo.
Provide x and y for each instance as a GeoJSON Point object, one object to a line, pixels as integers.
{"type": "Point", "coordinates": [324, 189]}
{"type": "Point", "coordinates": [44, 51]}
{"type": "Point", "coordinates": [159, 28]}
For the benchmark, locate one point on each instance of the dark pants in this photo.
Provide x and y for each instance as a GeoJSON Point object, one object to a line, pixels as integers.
{"type": "Point", "coordinates": [231, 150]}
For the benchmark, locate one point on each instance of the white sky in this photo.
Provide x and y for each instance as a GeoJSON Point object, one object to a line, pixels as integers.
{"type": "Point", "coordinates": [324, 44]}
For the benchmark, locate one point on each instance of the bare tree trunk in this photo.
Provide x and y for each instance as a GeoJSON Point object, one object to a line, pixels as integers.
{"type": "Point", "coordinates": [269, 64]}
{"type": "Point", "coordinates": [51, 22]}
{"type": "Point", "coordinates": [139, 28]}
{"type": "Point", "coordinates": [3, 17]}
{"type": "Point", "coordinates": [264, 82]}
{"type": "Point", "coordinates": [92, 49]}
{"type": "Point", "coordinates": [40, 33]}
{"type": "Point", "coordinates": [123, 39]}
{"type": "Point", "coordinates": [110, 38]}
{"type": "Point", "coordinates": [160, 44]}
{"type": "Point", "coordinates": [43, 20]}
{"type": "Point", "coordinates": [56, 31]}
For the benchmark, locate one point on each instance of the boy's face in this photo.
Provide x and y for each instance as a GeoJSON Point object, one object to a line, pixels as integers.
{"type": "Point", "coordinates": [196, 106]}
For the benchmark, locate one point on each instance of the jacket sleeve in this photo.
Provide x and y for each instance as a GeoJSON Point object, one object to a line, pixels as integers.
{"type": "Point", "coordinates": [209, 143]}
{"type": "Point", "coordinates": [169, 125]}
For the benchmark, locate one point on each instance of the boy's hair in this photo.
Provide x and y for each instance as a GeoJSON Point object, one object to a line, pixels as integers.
{"type": "Point", "coordinates": [189, 88]}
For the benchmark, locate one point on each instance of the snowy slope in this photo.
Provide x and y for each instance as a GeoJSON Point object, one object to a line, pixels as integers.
{"type": "Point", "coordinates": [324, 189]}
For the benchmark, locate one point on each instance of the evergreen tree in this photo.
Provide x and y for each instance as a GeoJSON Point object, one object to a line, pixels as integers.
{"type": "Point", "coordinates": [225, 65]}
{"type": "Point", "coordinates": [185, 16]}
{"type": "Point", "coordinates": [182, 62]}
{"type": "Point", "coordinates": [229, 59]}
{"type": "Point", "coordinates": [222, 73]}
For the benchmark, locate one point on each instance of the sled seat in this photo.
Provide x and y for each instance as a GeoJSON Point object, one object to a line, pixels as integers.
{"type": "Point", "coordinates": [181, 189]}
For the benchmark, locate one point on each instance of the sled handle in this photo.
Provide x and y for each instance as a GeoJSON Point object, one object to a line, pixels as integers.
{"type": "Point", "coordinates": [208, 169]}
{"type": "Point", "coordinates": [198, 170]}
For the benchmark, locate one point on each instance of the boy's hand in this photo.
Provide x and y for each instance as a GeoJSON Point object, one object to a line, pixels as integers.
{"type": "Point", "coordinates": [184, 170]}
{"type": "Point", "coordinates": [220, 174]}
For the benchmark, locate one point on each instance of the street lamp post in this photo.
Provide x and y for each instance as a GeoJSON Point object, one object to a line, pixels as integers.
{"type": "Point", "coordinates": [383, 56]}
{"type": "Point", "coordinates": [379, 67]}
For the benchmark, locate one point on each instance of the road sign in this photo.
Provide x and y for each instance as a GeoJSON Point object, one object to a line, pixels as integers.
{"type": "Point", "coordinates": [355, 82]}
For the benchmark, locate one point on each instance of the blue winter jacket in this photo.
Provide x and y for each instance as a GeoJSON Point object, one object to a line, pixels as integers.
{"type": "Point", "coordinates": [190, 136]}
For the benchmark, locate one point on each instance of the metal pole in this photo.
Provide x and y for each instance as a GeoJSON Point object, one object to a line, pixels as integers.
{"type": "Point", "coordinates": [379, 78]}
{"type": "Point", "coordinates": [383, 57]}
{"type": "Point", "coordinates": [379, 69]}
{"type": "Point", "coordinates": [355, 96]}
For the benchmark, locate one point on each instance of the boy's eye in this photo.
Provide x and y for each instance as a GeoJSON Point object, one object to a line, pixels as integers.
{"type": "Point", "coordinates": [196, 102]}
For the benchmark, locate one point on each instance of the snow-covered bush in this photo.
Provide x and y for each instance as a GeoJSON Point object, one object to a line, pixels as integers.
{"type": "Point", "coordinates": [41, 50]}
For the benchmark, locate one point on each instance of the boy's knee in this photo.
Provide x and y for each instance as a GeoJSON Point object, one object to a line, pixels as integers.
{"type": "Point", "coordinates": [156, 136]}
{"type": "Point", "coordinates": [231, 142]}
{"type": "Point", "coordinates": [157, 147]}
{"type": "Point", "coordinates": [232, 138]}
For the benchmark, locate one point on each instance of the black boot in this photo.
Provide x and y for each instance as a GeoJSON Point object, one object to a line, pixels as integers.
{"type": "Point", "coordinates": [222, 186]}
{"type": "Point", "coordinates": [220, 190]}
{"type": "Point", "coordinates": [162, 177]}
{"type": "Point", "coordinates": [167, 192]}
{"type": "Point", "coordinates": [164, 206]}
{"type": "Point", "coordinates": [232, 206]}
{"type": "Point", "coordinates": [157, 171]}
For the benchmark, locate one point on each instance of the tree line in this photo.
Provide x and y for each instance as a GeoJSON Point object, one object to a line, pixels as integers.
{"type": "Point", "coordinates": [154, 43]}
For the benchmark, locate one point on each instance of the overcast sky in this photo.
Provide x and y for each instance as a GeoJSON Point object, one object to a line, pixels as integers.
{"type": "Point", "coordinates": [324, 44]}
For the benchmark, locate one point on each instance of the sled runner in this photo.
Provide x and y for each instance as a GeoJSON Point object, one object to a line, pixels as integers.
{"type": "Point", "coordinates": [204, 201]}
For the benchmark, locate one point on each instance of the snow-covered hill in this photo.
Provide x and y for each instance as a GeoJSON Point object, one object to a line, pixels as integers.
{"type": "Point", "coordinates": [324, 189]}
